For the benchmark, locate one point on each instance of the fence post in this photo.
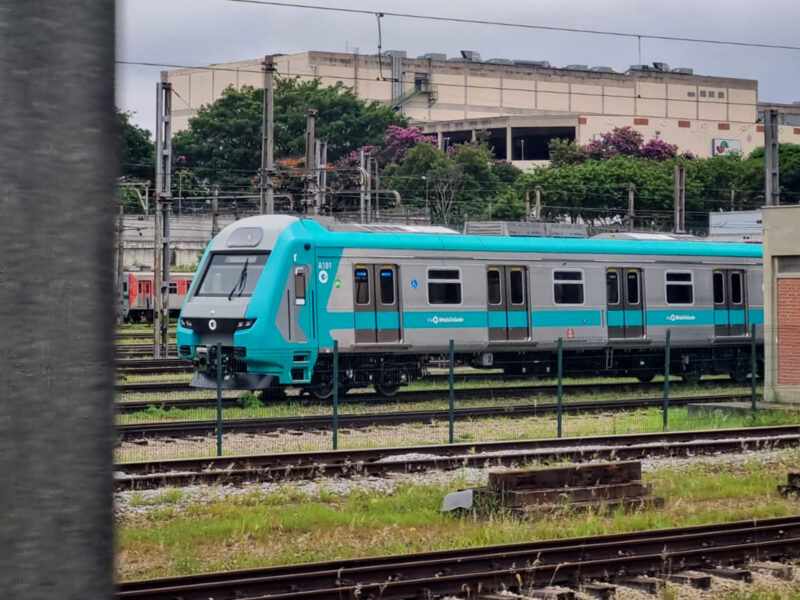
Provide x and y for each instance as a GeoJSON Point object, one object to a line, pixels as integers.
{"type": "Point", "coordinates": [451, 397]}
{"type": "Point", "coordinates": [335, 394]}
{"type": "Point", "coordinates": [665, 405]}
{"type": "Point", "coordinates": [560, 387]}
{"type": "Point", "coordinates": [219, 399]}
{"type": "Point", "coordinates": [753, 367]}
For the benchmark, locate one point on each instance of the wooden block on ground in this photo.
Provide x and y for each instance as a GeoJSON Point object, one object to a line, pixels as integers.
{"type": "Point", "coordinates": [651, 585]}
{"type": "Point", "coordinates": [515, 498]}
{"type": "Point", "coordinates": [557, 477]}
{"type": "Point", "coordinates": [793, 479]}
{"type": "Point", "coordinates": [731, 573]}
{"type": "Point", "coordinates": [551, 593]}
{"type": "Point", "coordinates": [600, 505]}
{"type": "Point", "coordinates": [776, 569]}
{"type": "Point", "coordinates": [600, 590]}
{"type": "Point", "coordinates": [701, 581]}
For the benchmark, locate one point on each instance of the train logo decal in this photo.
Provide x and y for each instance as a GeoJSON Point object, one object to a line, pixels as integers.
{"type": "Point", "coordinates": [414, 284]}
{"type": "Point", "coordinates": [436, 319]}
{"type": "Point", "coordinates": [673, 317]}
{"type": "Point", "coordinates": [212, 324]}
{"type": "Point", "coordinates": [337, 283]}
{"type": "Point", "coordinates": [323, 277]}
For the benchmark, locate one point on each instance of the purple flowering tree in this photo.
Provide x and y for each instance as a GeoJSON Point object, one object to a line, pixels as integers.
{"type": "Point", "coordinates": [657, 149]}
{"type": "Point", "coordinates": [624, 141]}
{"type": "Point", "coordinates": [399, 140]}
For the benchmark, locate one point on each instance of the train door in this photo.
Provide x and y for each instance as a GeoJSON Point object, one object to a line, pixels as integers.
{"type": "Point", "coordinates": [730, 303]}
{"type": "Point", "coordinates": [509, 314]}
{"type": "Point", "coordinates": [147, 292]}
{"type": "Point", "coordinates": [377, 304]}
{"type": "Point", "coordinates": [624, 303]}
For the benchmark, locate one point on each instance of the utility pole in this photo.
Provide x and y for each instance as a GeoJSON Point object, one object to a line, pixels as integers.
{"type": "Point", "coordinates": [377, 190]}
{"type": "Point", "coordinates": [323, 173]}
{"type": "Point", "coordinates": [266, 190]}
{"type": "Point", "coordinates": [631, 206]}
{"type": "Point", "coordinates": [215, 212]}
{"type": "Point", "coordinates": [733, 199]}
{"type": "Point", "coordinates": [368, 192]}
{"type": "Point", "coordinates": [772, 188]}
{"type": "Point", "coordinates": [161, 262]}
{"type": "Point", "coordinates": [318, 192]}
{"type": "Point", "coordinates": [537, 211]}
{"type": "Point", "coordinates": [311, 156]}
{"type": "Point", "coordinates": [362, 157]}
{"type": "Point", "coordinates": [680, 199]}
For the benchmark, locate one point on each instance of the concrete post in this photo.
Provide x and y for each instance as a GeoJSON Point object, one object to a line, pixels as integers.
{"type": "Point", "coordinates": [58, 163]}
{"type": "Point", "coordinates": [509, 145]}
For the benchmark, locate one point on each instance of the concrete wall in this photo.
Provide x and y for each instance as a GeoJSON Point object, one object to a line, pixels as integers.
{"type": "Point", "coordinates": [782, 303]}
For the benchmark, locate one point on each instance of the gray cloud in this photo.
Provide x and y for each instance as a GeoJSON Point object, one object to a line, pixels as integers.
{"type": "Point", "coordinates": [199, 32]}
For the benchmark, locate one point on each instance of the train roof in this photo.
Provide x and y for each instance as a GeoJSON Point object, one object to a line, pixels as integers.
{"type": "Point", "coordinates": [325, 237]}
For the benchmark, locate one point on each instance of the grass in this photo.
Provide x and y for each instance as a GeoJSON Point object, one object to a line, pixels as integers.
{"type": "Point", "coordinates": [284, 527]}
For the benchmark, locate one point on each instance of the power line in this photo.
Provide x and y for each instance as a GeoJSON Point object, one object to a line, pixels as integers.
{"type": "Point", "coordinates": [462, 20]}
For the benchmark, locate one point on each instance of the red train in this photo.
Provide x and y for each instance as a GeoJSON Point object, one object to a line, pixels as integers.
{"type": "Point", "coordinates": [137, 300]}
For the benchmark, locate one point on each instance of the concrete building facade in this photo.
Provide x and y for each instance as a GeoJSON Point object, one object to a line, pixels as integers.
{"type": "Point", "coordinates": [782, 303]}
{"type": "Point", "coordinates": [521, 104]}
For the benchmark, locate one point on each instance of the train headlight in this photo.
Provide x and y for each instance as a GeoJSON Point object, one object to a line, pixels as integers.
{"type": "Point", "coordinates": [244, 324]}
{"type": "Point", "coordinates": [186, 323]}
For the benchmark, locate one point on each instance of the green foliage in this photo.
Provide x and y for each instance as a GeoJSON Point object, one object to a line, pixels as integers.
{"type": "Point", "coordinates": [223, 141]}
{"type": "Point", "coordinates": [565, 152]}
{"type": "Point", "coordinates": [136, 148]}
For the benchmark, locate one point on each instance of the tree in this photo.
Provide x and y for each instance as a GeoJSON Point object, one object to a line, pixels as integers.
{"type": "Point", "coordinates": [223, 141]}
{"type": "Point", "coordinates": [565, 152]}
{"type": "Point", "coordinates": [135, 148]}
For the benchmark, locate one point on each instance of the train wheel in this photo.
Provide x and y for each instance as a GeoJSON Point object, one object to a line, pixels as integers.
{"type": "Point", "coordinates": [321, 391]}
{"type": "Point", "coordinates": [740, 376]}
{"type": "Point", "coordinates": [389, 390]}
{"type": "Point", "coordinates": [645, 377]}
{"type": "Point", "coordinates": [691, 377]}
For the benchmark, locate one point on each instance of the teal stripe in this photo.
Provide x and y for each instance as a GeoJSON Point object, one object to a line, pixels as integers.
{"type": "Point", "coordinates": [633, 318]}
{"type": "Point", "coordinates": [567, 318]}
{"type": "Point", "coordinates": [444, 319]}
{"type": "Point", "coordinates": [364, 320]}
{"type": "Point", "coordinates": [720, 316]}
{"type": "Point", "coordinates": [517, 318]}
{"type": "Point", "coordinates": [616, 318]}
{"type": "Point", "coordinates": [388, 320]}
{"type": "Point", "coordinates": [680, 317]}
{"type": "Point", "coordinates": [757, 316]}
{"type": "Point", "coordinates": [736, 316]}
{"type": "Point", "coordinates": [497, 318]}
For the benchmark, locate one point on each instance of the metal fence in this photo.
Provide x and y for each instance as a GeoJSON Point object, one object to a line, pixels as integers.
{"type": "Point", "coordinates": [162, 417]}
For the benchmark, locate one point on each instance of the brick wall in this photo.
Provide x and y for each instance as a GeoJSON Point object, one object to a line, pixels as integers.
{"type": "Point", "coordinates": [788, 331]}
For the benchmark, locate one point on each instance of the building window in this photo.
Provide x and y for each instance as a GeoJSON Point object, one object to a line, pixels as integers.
{"type": "Point", "coordinates": [568, 287]}
{"type": "Point", "coordinates": [720, 94]}
{"type": "Point", "coordinates": [711, 94]}
{"type": "Point", "coordinates": [680, 288]}
{"type": "Point", "coordinates": [702, 93]}
{"type": "Point", "coordinates": [691, 94]}
{"type": "Point", "coordinates": [444, 286]}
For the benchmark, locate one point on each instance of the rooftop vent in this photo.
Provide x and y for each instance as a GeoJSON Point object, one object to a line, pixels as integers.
{"type": "Point", "coordinates": [639, 68]}
{"type": "Point", "coordinates": [577, 67]}
{"type": "Point", "coordinates": [500, 61]}
{"type": "Point", "coordinates": [683, 71]}
{"type": "Point", "coordinates": [398, 53]}
{"type": "Point", "coordinates": [661, 66]}
{"type": "Point", "coordinates": [533, 63]}
{"type": "Point", "coordinates": [471, 55]}
{"type": "Point", "coordinates": [603, 70]}
{"type": "Point", "coordinates": [433, 56]}
{"type": "Point", "coordinates": [525, 229]}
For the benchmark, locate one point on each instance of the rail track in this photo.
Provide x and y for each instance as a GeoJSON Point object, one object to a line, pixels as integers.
{"type": "Point", "coordinates": [177, 429]}
{"type": "Point", "coordinates": [476, 571]}
{"type": "Point", "coordinates": [239, 470]}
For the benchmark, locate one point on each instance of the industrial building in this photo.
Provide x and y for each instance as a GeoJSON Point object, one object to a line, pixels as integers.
{"type": "Point", "coordinates": [519, 105]}
{"type": "Point", "coordinates": [781, 303]}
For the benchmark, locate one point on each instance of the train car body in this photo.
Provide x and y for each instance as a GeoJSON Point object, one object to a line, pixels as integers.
{"type": "Point", "coordinates": [138, 294]}
{"type": "Point", "coordinates": [275, 292]}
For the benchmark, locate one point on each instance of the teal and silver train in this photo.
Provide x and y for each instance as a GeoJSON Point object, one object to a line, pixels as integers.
{"type": "Point", "coordinates": [276, 292]}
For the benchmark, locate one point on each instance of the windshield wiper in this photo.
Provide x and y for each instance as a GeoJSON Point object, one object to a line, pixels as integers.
{"type": "Point", "coordinates": [242, 283]}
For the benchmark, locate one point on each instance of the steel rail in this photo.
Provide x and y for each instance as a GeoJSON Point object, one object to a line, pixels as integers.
{"type": "Point", "coordinates": [380, 462]}
{"type": "Point", "coordinates": [355, 420]}
{"type": "Point", "coordinates": [514, 567]}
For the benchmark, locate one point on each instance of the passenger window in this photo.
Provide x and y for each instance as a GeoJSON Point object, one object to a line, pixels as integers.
{"type": "Point", "coordinates": [736, 288]}
{"type": "Point", "coordinates": [719, 288]}
{"type": "Point", "coordinates": [632, 279]}
{"type": "Point", "coordinates": [387, 286]}
{"type": "Point", "coordinates": [173, 287]}
{"type": "Point", "coordinates": [495, 289]}
{"type": "Point", "coordinates": [300, 286]}
{"type": "Point", "coordinates": [680, 288]}
{"type": "Point", "coordinates": [517, 287]}
{"type": "Point", "coordinates": [568, 287]}
{"type": "Point", "coordinates": [612, 287]}
{"type": "Point", "coordinates": [361, 276]}
{"type": "Point", "coordinates": [444, 286]}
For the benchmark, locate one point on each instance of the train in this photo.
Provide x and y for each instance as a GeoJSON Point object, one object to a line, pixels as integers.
{"type": "Point", "coordinates": [136, 294]}
{"type": "Point", "coordinates": [277, 296]}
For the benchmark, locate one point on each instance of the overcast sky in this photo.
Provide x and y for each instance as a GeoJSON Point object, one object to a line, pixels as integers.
{"type": "Point", "coordinates": [199, 32]}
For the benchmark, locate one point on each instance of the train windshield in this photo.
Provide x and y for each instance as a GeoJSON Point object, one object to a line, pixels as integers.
{"type": "Point", "coordinates": [230, 275]}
